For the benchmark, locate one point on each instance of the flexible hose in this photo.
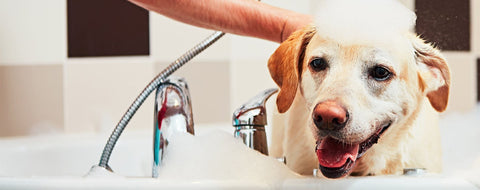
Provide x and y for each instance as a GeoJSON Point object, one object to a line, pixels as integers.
{"type": "Point", "coordinates": [107, 151]}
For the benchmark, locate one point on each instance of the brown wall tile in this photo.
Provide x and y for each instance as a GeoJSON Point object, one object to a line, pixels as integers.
{"type": "Point", "coordinates": [446, 23]}
{"type": "Point", "coordinates": [478, 79]}
{"type": "Point", "coordinates": [107, 28]}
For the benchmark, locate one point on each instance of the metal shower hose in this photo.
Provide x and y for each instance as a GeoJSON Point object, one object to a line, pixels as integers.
{"type": "Point", "coordinates": [107, 151]}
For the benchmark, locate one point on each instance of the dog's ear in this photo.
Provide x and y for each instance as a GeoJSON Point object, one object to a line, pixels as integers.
{"type": "Point", "coordinates": [285, 65]}
{"type": "Point", "coordinates": [434, 74]}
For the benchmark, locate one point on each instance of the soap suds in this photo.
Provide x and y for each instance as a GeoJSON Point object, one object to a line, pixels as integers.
{"type": "Point", "coordinates": [460, 139]}
{"type": "Point", "coordinates": [363, 21]}
{"type": "Point", "coordinates": [217, 155]}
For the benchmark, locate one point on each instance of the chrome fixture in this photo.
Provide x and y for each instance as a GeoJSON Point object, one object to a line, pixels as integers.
{"type": "Point", "coordinates": [173, 114]}
{"type": "Point", "coordinates": [414, 171]}
{"type": "Point", "coordinates": [179, 62]}
{"type": "Point", "coordinates": [250, 120]}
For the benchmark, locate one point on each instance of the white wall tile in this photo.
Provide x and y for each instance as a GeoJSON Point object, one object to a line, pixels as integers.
{"type": "Point", "coordinates": [408, 3]}
{"type": "Point", "coordinates": [248, 79]}
{"type": "Point", "coordinates": [32, 32]}
{"type": "Point", "coordinates": [169, 39]}
{"type": "Point", "coordinates": [98, 93]}
{"type": "Point", "coordinates": [475, 20]}
{"type": "Point", "coordinates": [248, 68]}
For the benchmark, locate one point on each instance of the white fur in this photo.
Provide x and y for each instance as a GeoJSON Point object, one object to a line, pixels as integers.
{"type": "Point", "coordinates": [411, 141]}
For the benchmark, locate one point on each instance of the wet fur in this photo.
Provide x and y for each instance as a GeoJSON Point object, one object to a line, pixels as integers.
{"type": "Point", "coordinates": [421, 78]}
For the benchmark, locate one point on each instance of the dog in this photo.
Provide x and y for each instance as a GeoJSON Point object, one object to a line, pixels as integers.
{"type": "Point", "coordinates": [359, 108]}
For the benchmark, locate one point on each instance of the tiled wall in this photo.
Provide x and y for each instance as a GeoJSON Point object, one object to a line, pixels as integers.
{"type": "Point", "coordinates": [31, 99]}
{"type": "Point", "coordinates": [99, 90]}
{"type": "Point", "coordinates": [32, 32]}
{"type": "Point", "coordinates": [445, 22]}
{"type": "Point", "coordinates": [106, 28]}
{"type": "Point", "coordinates": [478, 79]}
{"type": "Point", "coordinates": [42, 91]}
{"type": "Point", "coordinates": [476, 39]}
{"type": "Point", "coordinates": [32, 52]}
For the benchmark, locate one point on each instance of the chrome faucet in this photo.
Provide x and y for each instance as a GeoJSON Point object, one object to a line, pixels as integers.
{"type": "Point", "coordinates": [250, 119]}
{"type": "Point", "coordinates": [173, 114]}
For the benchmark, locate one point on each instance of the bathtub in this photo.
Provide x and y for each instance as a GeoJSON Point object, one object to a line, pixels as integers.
{"type": "Point", "coordinates": [62, 161]}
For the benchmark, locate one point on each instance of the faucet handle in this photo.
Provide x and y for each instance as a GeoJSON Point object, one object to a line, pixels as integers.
{"type": "Point", "coordinates": [249, 121]}
{"type": "Point", "coordinates": [253, 113]}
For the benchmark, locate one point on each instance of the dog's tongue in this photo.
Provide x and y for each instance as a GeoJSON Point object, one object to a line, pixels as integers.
{"type": "Point", "coordinates": [334, 154]}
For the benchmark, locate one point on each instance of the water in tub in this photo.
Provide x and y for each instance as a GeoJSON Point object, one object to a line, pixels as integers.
{"type": "Point", "coordinates": [213, 154]}
{"type": "Point", "coordinates": [216, 155]}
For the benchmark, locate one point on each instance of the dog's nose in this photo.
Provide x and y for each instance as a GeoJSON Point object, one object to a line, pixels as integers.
{"type": "Point", "coordinates": [329, 115]}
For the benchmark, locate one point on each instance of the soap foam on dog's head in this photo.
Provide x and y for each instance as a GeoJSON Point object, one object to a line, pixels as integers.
{"type": "Point", "coordinates": [363, 21]}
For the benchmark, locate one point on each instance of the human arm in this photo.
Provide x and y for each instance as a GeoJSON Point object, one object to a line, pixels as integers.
{"type": "Point", "coordinates": [242, 17]}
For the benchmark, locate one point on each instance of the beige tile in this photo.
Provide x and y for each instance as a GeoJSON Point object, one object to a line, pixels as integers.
{"type": "Point", "coordinates": [31, 99]}
{"type": "Point", "coordinates": [209, 84]}
{"type": "Point", "coordinates": [410, 4]}
{"type": "Point", "coordinates": [462, 91]}
{"type": "Point", "coordinates": [475, 8]}
{"type": "Point", "coordinates": [99, 91]}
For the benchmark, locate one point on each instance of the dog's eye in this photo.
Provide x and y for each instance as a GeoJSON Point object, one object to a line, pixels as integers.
{"type": "Point", "coordinates": [319, 64]}
{"type": "Point", "coordinates": [380, 73]}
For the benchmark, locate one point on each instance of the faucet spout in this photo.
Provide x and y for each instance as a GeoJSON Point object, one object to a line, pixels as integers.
{"type": "Point", "coordinates": [172, 114]}
{"type": "Point", "coordinates": [250, 119]}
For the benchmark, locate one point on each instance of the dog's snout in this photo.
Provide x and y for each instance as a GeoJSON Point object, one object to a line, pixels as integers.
{"type": "Point", "coordinates": [329, 116]}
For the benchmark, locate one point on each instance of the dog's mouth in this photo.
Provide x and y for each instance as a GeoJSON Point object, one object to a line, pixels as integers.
{"type": "Point", "coordinates": [337, 159]}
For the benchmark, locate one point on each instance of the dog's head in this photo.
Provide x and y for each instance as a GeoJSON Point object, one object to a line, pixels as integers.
{"type": "Point", "coordinates": [356, 91]}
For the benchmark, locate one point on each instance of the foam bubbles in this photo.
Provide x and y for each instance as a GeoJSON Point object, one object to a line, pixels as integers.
{"type": "Point", "coordinates": [355, 21]}
{"type": "Point", "coordinates": [217, 155]}
{"type": "Point", "coordinates": [460, 140]}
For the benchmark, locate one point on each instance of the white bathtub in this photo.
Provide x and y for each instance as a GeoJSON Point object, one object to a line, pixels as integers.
{"type": "Point", "coordinates": [61, 162]}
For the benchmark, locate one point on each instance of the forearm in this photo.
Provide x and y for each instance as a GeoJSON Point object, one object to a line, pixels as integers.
{"type": "Point", "coordinates": [243, 17]}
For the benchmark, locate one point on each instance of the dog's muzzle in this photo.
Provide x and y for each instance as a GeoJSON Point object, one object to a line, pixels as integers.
{"type": "Point", "coordinates": [337, 159]}
{"type": "Point", "coordinates": [329, 116]}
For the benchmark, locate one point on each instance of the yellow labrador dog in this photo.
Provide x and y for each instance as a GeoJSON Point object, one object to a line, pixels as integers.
{"type": "Point", "coordinates": [358, 108]}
